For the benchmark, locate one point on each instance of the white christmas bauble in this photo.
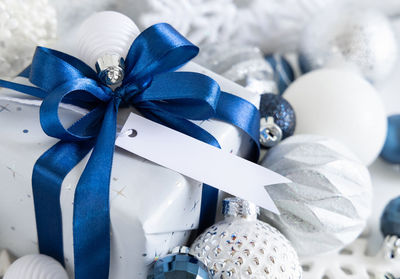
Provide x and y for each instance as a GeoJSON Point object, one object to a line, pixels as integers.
{"type": "Point", "coordinates": [327, 205]}
{"type": "Point", "coordinates": [105, 32]}
{"type": "Point", "coordinates": [363, 37]}
{"type": "Point", "coordinates": [36, 267]}
{"type": "Point", "coordinates": [342, 105]}
{"type": "Point", "coordinates": [242, 247]}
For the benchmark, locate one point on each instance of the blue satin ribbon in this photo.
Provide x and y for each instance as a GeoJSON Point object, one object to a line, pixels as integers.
{"type": "Point", "coordinates": [151, 86]}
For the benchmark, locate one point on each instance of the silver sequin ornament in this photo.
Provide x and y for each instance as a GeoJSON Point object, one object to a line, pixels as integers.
{"type": "Point", "coordinates": [329, 201]}
{"type": "Point", "coordinates": [247, 66]}
{"type": "Point", "coordinates": [362, 38]}
{"type": "Point", "coordinates": [243, 247]}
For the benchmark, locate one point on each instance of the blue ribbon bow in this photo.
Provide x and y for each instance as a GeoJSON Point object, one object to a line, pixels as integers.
{"type": "Point", "coordinates": [151, 86]}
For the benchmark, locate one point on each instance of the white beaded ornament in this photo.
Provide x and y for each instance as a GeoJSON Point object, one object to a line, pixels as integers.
{"type": "Point", "coordinates": [242, 247]}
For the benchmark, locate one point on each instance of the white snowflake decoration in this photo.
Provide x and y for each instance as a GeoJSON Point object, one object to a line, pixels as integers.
{"type": "Point", "coordinates": [24, 24]}
{"type": "Point", "coordinates": [73, 12]}
{"type": "Point", "coordinates": [274, 25]}
{"type": "Point", "coordinates": [353, 262]}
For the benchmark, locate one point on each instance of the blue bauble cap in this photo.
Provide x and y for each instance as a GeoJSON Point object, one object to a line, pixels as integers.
{"type": "Point", "coordinates": [391, 149]}
{"type": "Point", "coordinates": [390, 220]}
{"type": "Point", "coordinates": [179, 266]}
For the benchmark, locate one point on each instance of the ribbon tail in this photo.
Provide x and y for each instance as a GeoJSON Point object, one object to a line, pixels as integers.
{"type": "Point", "coordinates": [91, 223]}
{"type": "Point", "coordinates": [247, 120]}
{"type": "Point", "coordinates": [48, 175]}
{"type": "Point", "coordinates": [26, 89]}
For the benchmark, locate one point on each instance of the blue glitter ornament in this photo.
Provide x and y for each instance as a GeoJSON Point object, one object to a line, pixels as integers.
{"type": "Point", "coordinates": [179, 265]}
{"type": "Point", "coordinates": [391, 149]}
{"type": "Point", "coordinates": [390, 220]}
{"type": "Point", "coordinates": [281, 111]}
{"type": "Point", "coordinates": [283, 71]}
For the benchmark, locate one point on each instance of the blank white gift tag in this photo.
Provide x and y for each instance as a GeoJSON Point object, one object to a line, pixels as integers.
{"type": "Point", "coordinates": [199, 160]}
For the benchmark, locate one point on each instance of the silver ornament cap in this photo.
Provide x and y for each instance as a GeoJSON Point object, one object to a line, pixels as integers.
{"type": "Point", "coordinates": [111, 68]}
{"type": "Point", "coordinates": [180, 250]}
{"type": "Point", "coordinates": [270, 132]}
{"type": "Point", "coordinates": [236, 207]}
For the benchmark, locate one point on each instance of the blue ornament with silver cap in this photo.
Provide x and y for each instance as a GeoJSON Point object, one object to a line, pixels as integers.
{"type": "Point", "coordinates": [390, 220]}
{"type": "Point", "coordinates": [277, 119]}
{"type": "Point", "coordinates": [391, 150]}
{"type": "Point", "coordinates": [179, 265]}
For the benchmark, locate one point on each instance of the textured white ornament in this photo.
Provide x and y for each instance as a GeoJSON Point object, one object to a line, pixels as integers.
{"type": "Point", "coordinates": [329, 201]}
{"type": "Point", "coordinates": [242, 247]}
{"type": "Point", "coordinates": [362, 37]}
{"type": "Point", "coordinates": [105, 32]}
{"type": "Point", "coordinates": [36, 267]}
{"type": "Point", "coordinates": [353, 262]}
{"type": "Point", "coordinates": [340, 104]}
{"type": "Point", "coordinates": [5, 262]}
{"type": "Point", "coordinates": [269, 24]}
{"type": "Point", "coordinates": [24, 24]}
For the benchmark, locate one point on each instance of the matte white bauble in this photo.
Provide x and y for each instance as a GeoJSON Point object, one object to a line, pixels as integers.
{"type": "Point", "coordinates": [36, 267]}
{"type": "Point", "coordinates": [340, 104]}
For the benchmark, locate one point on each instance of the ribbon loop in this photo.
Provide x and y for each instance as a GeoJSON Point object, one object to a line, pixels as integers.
{"type": "Point", "coordinates": [158, 49]}
{"type": "Point", "coordinates": [51, 68]}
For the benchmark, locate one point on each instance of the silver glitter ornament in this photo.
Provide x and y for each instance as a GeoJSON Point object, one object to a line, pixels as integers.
{"type": "Point", "coordinates": [243, 247]}
{"type": "Point", "coordinates": [329, 201]}
{"type": "Point", "coordinates": [247, 66]}
{"type": "Point", "coordinates": [362, 38]}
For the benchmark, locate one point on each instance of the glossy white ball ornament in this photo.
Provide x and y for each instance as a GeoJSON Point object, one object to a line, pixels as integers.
{"type": "Point", "coordinates": [36, 267]}
{"type": "Point", "coordinates": [342, 105]}
{"type": "Point", "coordinates": [361, 37]}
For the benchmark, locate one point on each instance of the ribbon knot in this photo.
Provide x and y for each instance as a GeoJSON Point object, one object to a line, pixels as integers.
{"type": "Point", "coordinates": [127, 91]}
{"type": "Point", "coordinates": [153, 87]}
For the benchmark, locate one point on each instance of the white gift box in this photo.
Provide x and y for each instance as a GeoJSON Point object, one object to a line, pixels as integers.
{"type": "Point", "coordinates": [153, 209]}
